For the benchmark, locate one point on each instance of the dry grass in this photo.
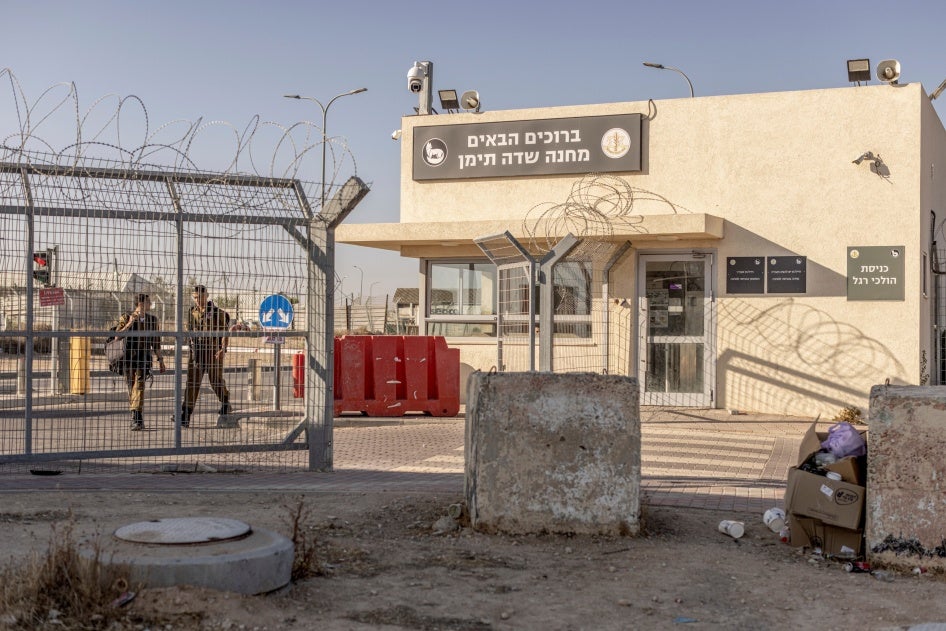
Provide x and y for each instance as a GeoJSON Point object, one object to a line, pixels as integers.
{"type": "Point", "coordinates": [60, 589]}
{"type": "Point", "coordinates": [305, 562]}
{"type": "Point", "coordinates": [850, 414]}
{"type": "Point", "coordinates": [67, 589]}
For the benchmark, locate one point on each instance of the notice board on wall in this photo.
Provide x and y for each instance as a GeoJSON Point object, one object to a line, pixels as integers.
{"type": "Point", "coordinates": [787, 274]}
{"type": "Point", "coordinates": [745, 274]}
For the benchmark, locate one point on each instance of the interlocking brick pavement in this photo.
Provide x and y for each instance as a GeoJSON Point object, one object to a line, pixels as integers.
{"type": "Point", "coordinates": [691, 458]}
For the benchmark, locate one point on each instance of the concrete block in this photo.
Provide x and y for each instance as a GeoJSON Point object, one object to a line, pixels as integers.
{"type": "Point", "coordinates": [906, 477]}
{"type": "Point", "coordinates": [553, 453]}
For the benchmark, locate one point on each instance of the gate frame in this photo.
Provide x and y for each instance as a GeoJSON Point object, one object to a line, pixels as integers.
{"type": "Point", "coordinates": [317, 238]}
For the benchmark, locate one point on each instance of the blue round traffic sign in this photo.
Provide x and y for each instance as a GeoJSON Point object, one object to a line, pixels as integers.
{"type": "Point", "coordinates": [275, 312]}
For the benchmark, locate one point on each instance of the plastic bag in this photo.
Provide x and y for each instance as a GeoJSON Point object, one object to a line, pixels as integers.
{"type": "Point", "coordinates": [843, 441]}
{"type": "Point", "coordinates": [115, 354]}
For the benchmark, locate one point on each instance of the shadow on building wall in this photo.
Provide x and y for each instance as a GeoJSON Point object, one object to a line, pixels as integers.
{"type": "Point", "coordinates": [788, 357]}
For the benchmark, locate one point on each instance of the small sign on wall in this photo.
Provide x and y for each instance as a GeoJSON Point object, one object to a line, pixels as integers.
{"type": "Point", "coordinates": [787, 274]}
{"type": "Point", "coordinates": [875, 272]}
{"type": "Point", "coordinates": [745, 275]}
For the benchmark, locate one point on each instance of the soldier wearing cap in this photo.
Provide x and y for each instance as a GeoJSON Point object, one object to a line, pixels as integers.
{"type": "Point", "coordinates": [206, 353]}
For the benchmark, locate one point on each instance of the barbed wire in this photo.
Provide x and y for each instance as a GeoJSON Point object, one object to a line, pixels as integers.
{"type": "Point", "coordinates": [116, 131]}
{"type": "Point", "coordinates": [109, 184]}
{"type": "Point", "coordinates": [597, 205]}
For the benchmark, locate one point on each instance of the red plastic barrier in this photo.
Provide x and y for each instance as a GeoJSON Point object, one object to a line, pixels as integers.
{"type": "Point", "coordinates": [298, 375]}
{"type": "Point", "coordinates": [394, 375]}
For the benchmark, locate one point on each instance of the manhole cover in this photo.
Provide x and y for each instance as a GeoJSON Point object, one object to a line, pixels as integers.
{"type": "Point", "coordinates": [180, 530]}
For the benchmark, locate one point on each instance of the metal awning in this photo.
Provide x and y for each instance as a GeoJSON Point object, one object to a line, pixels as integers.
{"type": "Point", "coordinates": [415, 239]}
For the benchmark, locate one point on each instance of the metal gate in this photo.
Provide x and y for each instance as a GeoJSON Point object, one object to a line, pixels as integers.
{"type": "Point", "coordinates": [557, 291]}
{"type": "Point", "coordinates": [80, 240]}
{"type": "Point", "coordinates": [516, 304]}
{"type": "Point", "coordinates": [936, 368]}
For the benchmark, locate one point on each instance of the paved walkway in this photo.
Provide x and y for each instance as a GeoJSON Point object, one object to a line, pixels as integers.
{"type": "Point", "coordinates": [692, 458]}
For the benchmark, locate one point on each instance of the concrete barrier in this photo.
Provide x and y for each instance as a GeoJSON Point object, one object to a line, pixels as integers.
{"type": "Point", "coordinates": [906, 477]}
{"type": "Point", "coordinates": [553, 453]}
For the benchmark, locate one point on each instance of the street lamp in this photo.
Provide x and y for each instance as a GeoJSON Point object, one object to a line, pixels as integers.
{"type": "Point", "coordinates": [663, 67]}
{"type": "Point", "coordinates": [371, 289]}
{"type": "Point", "coordinates": [361, 287]}
{"type": "Point", "coordinates": [324, 116]}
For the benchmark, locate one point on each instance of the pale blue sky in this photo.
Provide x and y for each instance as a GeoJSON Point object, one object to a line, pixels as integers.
{"type": "Point", "coordinates": [233, 60]}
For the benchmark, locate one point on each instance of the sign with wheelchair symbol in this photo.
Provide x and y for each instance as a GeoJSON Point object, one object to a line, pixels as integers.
{"type": "Point", "coordinates": [275, 312]}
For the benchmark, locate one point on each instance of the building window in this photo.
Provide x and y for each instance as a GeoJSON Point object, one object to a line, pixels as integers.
{"type": "Point", "coordinates": [461, 299]}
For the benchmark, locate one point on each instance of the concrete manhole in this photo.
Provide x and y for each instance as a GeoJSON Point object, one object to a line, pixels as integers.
{"type": "Point", "coordinates": [219, 553]}
{"type": "Point", "coordinates": [180, 530]}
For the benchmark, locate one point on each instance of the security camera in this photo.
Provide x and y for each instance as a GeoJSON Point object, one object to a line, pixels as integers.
{"type": "Point", "coordinates": [415, 78]}
{"type": "Point", "coordinates": [396, 134]}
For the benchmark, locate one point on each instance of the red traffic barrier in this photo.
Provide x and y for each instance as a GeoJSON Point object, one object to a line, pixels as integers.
{"type": "Point", "coordinates": [394, 375]}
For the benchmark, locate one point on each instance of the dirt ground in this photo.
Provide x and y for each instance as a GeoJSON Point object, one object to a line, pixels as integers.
{"type": "Point", "coordinates": [384, 566]}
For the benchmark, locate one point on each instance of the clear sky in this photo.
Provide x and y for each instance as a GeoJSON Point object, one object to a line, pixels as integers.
{"type": "Point", "coordinates": [233, 60]}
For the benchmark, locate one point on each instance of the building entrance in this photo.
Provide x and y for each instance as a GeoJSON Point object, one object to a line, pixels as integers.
{"type": "Point", "coordinates": [677, 323]}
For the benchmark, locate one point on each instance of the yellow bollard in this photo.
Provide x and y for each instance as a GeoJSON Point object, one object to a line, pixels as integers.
{"type": "Point", "coordinates": [79, 351]}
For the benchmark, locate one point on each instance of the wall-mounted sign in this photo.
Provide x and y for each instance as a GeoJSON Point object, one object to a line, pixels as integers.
{"type": "Point", "coordinates": [875, 272]}
{"type": "Point", "coordinates": [552, 146]}
{"type": "Point", "coordinates": [786, 274]}
{"type": "Point", "coordinates": [745, 274]}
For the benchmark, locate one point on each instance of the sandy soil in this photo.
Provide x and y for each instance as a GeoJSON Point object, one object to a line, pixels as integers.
{"type": "Point", "coordinates": [384, 566]}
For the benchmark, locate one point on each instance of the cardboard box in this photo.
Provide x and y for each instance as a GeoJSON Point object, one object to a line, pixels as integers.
{"type": "Point", "coordinates": [834, 502]}
{"type": "Point", "coordinates": [851, 468]}
{"type": "Point", "coordinates": [815, 534]}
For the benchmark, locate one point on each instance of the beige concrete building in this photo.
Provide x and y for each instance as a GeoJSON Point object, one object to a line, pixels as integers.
{"type": "Point", "coordinates": [779, 254]}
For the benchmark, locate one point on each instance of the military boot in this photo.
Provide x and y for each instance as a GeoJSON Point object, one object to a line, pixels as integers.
{"type": "Point", "coordinates": [185, 417]}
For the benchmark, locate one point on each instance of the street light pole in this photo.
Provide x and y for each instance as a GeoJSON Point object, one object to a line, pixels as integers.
{"type": "Point", "coordinates": [663, 67]}
{"type": "Point", "coordinates": [361, 286]}
{"type": "Point", "coordinates": [324, 117]}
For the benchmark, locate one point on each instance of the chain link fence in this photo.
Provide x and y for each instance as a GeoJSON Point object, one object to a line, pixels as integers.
{"type": "Point", "coordinates": [81, 238]}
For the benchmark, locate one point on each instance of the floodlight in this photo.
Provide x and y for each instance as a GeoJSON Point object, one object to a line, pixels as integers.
{"type": "Point", "coordinates": [448, 99]}
{"type": "Point", "coordinates": [858, 70]}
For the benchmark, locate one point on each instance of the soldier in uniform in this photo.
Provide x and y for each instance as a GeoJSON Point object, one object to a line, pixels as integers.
{"type": "Point", "coordinates": [206, 353]}
{"type": "Point", "coordinates": [138, 352]}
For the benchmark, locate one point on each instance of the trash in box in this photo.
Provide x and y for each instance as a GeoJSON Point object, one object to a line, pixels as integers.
{"type": "Point", "coordinates": [811, 493]}
{"type": "Point", "coordinates": [843, 441]}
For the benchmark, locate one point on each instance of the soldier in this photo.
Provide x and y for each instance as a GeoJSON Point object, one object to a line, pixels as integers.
{"type": "Point", "coordinates": [206, 353]}
{"type": "Point", "coordinates": [137, 366]}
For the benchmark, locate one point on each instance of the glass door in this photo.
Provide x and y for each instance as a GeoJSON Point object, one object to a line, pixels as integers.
{"type": "Point", "coordinates": [677, 321]}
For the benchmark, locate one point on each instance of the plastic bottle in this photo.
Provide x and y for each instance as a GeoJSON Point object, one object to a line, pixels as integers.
{"type": "Point", "coordinates": [785, 535]}
{"type": "Point", "coordinates": [881, 575]}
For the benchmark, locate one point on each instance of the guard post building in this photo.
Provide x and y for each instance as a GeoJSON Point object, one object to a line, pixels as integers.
{"type": "Point", "coordinates": [762, 252]}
